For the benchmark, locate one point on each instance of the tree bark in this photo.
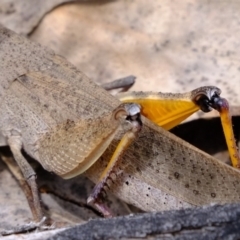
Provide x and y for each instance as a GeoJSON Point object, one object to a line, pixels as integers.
{"type": "Point", "coordinates": [211, 222]}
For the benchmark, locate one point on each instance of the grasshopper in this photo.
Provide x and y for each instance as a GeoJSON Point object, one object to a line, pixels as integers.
{"type": "Point", "coordinates": [66, 122]}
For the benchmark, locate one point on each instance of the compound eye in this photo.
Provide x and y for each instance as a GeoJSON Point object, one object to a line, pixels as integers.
{"type": "Point", "coordinates": [203, 102]}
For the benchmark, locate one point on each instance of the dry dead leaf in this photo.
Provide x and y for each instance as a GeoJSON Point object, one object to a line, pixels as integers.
{"type": "Point", "coordinates": [23, 16]}
{"type": "Point", "coordinates": [169, 46]}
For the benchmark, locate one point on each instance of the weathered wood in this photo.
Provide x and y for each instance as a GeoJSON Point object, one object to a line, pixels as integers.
{"type": "Point", "coordinates": [212, 222]}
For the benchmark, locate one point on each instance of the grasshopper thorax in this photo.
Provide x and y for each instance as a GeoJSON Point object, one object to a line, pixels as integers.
{"type": "Point", "coordinates": [73, 146]}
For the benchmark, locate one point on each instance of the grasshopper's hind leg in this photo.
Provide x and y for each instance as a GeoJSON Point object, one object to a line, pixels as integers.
{"type": "Point", "coordinates": [28, 184]}
{"type": "Point", "coordinates": [211, 99]}
{"type": "Point", "coordinates": [135, 120]}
